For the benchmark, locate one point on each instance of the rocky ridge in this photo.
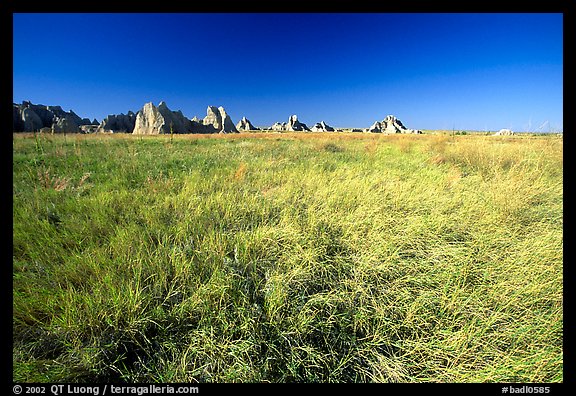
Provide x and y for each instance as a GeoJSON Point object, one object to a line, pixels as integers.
{"type": "Point", "coordinates": [151, 120]}
{"type": "Point", "coordinates": [28, 117]}
{"type": "Point", "coordinates": [118, 123]}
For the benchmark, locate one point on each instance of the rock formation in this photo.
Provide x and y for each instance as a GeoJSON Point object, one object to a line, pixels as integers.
{"type": "Point", "coordinates": [30, 120]}
{"type": "Point", "coordinates": [198, 125]}
{"type": "Point", "coordinates": [213, 118]}
{"type": "Point", "coordinates": [118, 123]}
{"type": "Point", "coordinates": [228, 125]}
{"type": "Point", "coordinates": [504, 132]}
{"type": "Point", "coordinates": [89, 128]}
{"type": "Point", "coordinates": [174, 120]}
{"type": "Point", "coordinates": [277, 126]}
{"type": "Point", "coordinates": [245, 125]}
{"type": "Point", "coordinates": [65, 125]}
{"type": "Point", "coordinates": [321, 127]}
{"type": "Point", "coordinates": [28, 117]}
{"type": "Point", "coordinates": [152, 120]}
{"type": "Point", "coordinates": [390, 124]}
{"type": "Point", "coordinates": [149, 121]}
{"type": "Point", "coordinates": [292, 125]}
{"type": "Point", "coordinates": [295, 125]}
{"type": "Point", "coordinates": [217, 120]}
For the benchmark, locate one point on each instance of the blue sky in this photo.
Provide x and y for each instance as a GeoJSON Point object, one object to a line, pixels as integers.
{"type": "Point", "coordinates": [433, 71]}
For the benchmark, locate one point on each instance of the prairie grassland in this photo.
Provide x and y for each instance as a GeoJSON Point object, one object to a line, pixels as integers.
{"type": "Point", "coordinates": [287, 258]}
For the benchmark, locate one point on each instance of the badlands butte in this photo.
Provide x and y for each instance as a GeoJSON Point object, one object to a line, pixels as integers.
{"type": "Point", "coordinates": [154, 120]}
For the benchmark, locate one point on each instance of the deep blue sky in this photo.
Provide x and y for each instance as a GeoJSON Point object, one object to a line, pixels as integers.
{"type": "Point", "coordinates": [433, 71]}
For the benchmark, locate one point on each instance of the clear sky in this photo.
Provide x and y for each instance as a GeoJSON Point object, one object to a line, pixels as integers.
{"type": "Point", "coordinates": [433, 71]}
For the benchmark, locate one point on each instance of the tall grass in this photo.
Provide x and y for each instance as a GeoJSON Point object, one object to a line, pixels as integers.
{"type": "Point", "coordinates": [287, 258]}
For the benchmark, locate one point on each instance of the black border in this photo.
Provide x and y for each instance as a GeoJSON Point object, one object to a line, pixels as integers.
{"type": "Point", "coordinates": [347, 6]}
{"type": "Point", "coordinates": [566, 7]}
{"type": "Point", "coordinates": [443, 389]}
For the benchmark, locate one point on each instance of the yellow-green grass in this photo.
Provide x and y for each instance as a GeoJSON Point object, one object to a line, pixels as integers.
{"type": "Point", "coordinates": [303, 257]}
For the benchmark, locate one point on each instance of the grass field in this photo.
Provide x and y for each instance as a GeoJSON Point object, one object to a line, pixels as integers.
{"type": "Point", "coordinates": [287, 258]}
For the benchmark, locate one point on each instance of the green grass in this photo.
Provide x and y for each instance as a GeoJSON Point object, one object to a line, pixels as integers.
{"type": "Point", "coordinates": [287, 258]}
